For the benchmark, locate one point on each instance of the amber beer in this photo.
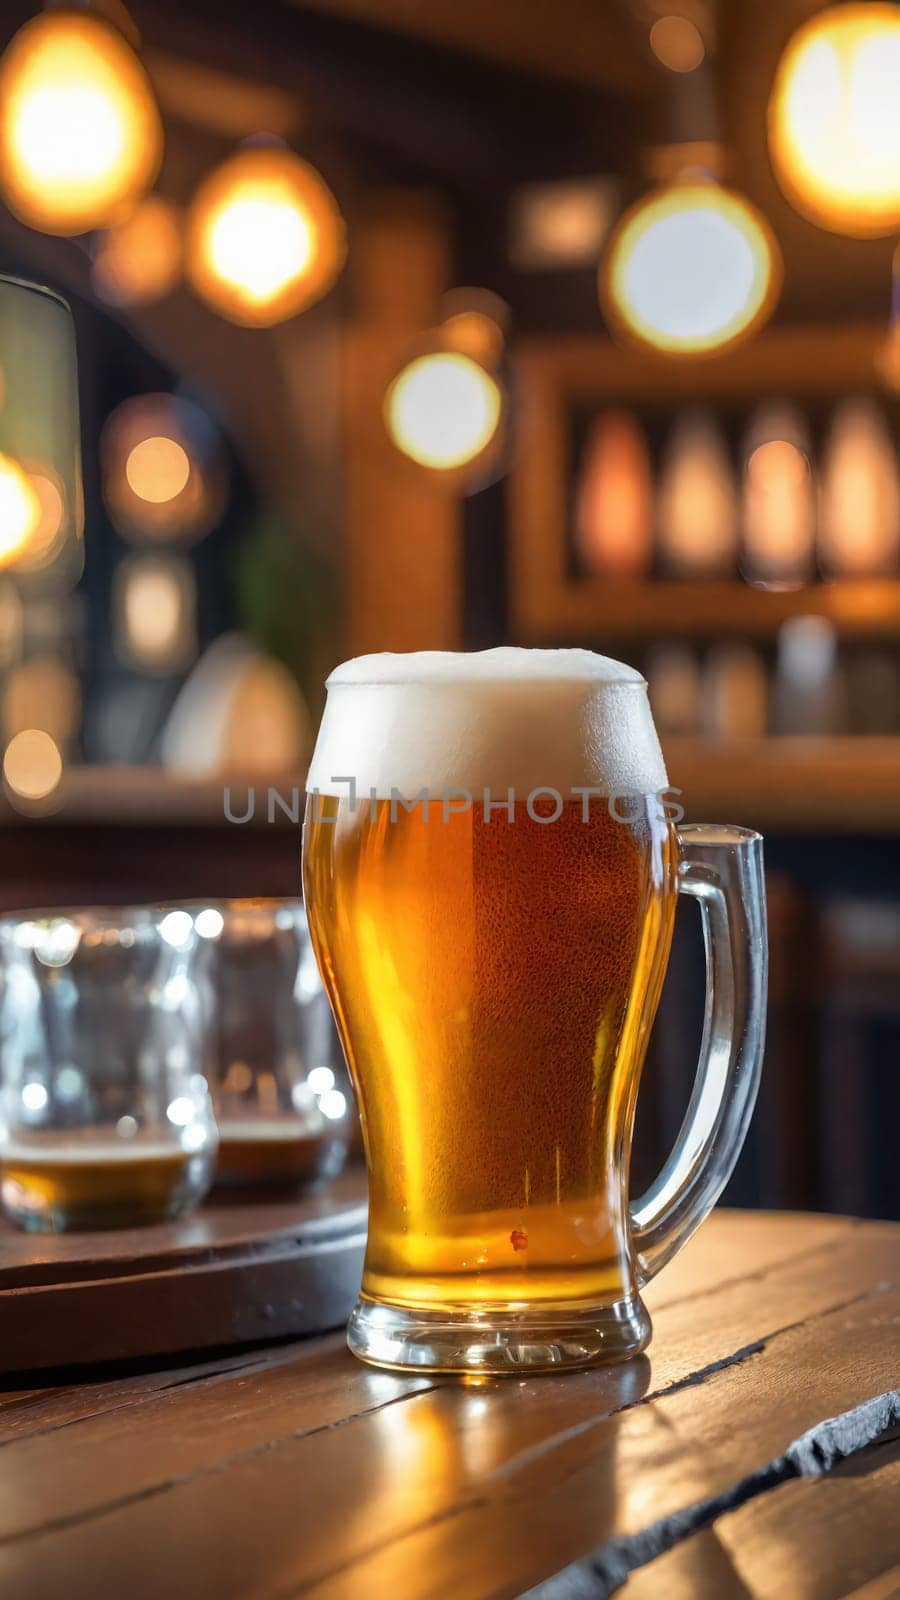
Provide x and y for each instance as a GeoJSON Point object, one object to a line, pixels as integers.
{"type": "Point", "coordinates": [82, 1184]}
{"type": "Point", "coordinates": [276, 1152]}
{"type": "Point", "coordinates": [494, 967]}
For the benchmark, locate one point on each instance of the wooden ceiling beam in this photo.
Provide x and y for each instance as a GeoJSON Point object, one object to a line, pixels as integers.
{"type": "Point", "coordinates": [598, 45]}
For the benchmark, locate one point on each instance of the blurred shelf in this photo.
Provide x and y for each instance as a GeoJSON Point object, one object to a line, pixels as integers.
{"type": "Point", "coordinates": [800, 786]}
{"type": "Point", "coordinates": [148, 797]}
{"type": "Point", "coordinates": [608, 609]}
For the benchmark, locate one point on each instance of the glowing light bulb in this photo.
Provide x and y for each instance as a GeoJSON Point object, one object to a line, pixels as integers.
{"type": "Point", "coordinates": [20, 510]}
{"type": "Point", "coordinates": [443, 410]}
{"type": "Point", "coordinates": [163, 476]}
{"type": "Point", "coordinates": [834, 119]}
{"type": "Point", "coordinates": [80, 133]}
{"type": "Point", "coordinates": [32, 765]}
{"type": "Point", "coordinates": [265, 237]}
{"type": "Point", "coordinates": [154, 600]}
{"type": "Point", "coordinates": [690, 269]}
{"type": "Point", "coordinates": [157, 469]}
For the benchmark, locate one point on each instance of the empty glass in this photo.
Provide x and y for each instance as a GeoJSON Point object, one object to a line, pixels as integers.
{"type": "Point", "coordinates": [39, 432]}
{"type": "Point", "coordinates": [105, 1114]}
{"type": "Point", "coordinates": [282, 1097]}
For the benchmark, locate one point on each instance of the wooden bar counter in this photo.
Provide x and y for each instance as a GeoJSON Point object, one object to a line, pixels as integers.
{"type": "Point", "coordinates": [748, 1456]}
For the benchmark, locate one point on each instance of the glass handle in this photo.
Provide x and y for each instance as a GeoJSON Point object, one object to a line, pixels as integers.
{"type": "Point", "coordinates": [722, 868]}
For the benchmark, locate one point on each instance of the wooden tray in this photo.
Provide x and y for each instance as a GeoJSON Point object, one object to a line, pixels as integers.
{"type": "Point", "coordinates": [237, 1271]}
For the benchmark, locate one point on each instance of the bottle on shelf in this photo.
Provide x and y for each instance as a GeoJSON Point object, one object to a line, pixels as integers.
{"type": "Point", "coordinates": [697, 507]}
{"type": "Point", "coordinates": [859, 512]}
{"type": "Point", "coordinates": [673, 680]}
{"type": "Point", "coordinates": [810, 694]}
{"type": "Point", "coordinates": [778, 513]}
{"type": "Point", "coordinates": [614, 499]}
{"type": "Point", "coordinates": [735, 694]}
{"type": "Point", "coordinates": [873, 691]}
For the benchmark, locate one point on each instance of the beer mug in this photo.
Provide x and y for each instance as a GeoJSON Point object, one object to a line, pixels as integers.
{"type": "Point", "coordinates": [491, 865]}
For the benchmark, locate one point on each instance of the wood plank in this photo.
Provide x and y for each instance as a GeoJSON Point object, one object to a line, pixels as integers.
{"type": "Point", "coordinates": [699, 1569]}
{"type": "Point", "coordinates": [830, 1539]}
{"type": "Point", "coordinates": [24, 1412]}
{"type": "Point", "coordinates": [821, 1540]}
{"type": "Point", "coordinates": [860, 608]}
{"type": "Point", "coordinates": [224, 1226]}
{"type": "Point", "coordinates": [230, 1274]}
{"type": "Point", "coordinates": [158, 1439]}
{"type": "Point", "coordinates": [734, 1245]}
{"type": "Point", "coordinates": [403, 563]}
{"type": "Point", "coordinates": [620, 1474]}
{"type": "Point", "coordinates": [596, 45]}
{"type": "Point", "coordinates": [808, 786]}
{"type": "Point", "coordinates": [765, 1240]}
{"type": "Point", "coordinates": [279, 1508]}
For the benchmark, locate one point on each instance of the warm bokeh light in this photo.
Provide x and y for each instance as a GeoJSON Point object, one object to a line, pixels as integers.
{"type": "Point", "coordinates": [48, 534]}
{"type": "Point", "coordinates": [139, 260]}
{"type": "Point", "coordinates": [443, 410]}
{"type": "Point", "coordinates": [265, 237]}
{"type": "Point", "coordinates": [157, 469]}
{"type": "Point", "coordinates": [80, 133]}
{"type": "Point", "coordinates": [32, 765]}
{"type": "Point", "coordinates": [42, 692]}
{"type": "Point", "coordinates": [834, 119]}
{"type": "Point", "coordinates": [677, 42]}
{"type": "Point", "coordinates": [690, 269]}
{"type": "Point", "coordinates": [474, 322]}
{"type": "Point", "coordinates": [155, 612]}
{"type": "Point", "coordinates": [474, 334]}
{"type": "Point", "coordinates": [20, 510]}
{"type": "Point", "coordinates": [163, 474]}
{"type": "Point", "coordinates": [561, 224]}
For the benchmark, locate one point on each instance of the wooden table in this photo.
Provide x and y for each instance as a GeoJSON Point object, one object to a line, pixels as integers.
{"type": "Point", "coordinates": [293, 1470]}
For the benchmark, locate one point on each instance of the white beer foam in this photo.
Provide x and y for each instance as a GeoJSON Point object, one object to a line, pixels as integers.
{"type": "Point", "coordinates": [506, 664]}
{"type": "Point", "coordinates": [494, 719]}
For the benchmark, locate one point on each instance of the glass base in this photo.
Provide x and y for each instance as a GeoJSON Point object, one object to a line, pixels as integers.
{"type": "Point", "coordinates": [495, 1342]}
{"type": "Point", "coordinates": [97, 1218]}
{"type": "Point", "coordinates": [53, 1191]}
